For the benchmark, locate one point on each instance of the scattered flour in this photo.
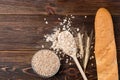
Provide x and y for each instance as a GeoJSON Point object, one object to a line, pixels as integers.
{"type": "Point", "coordinates": [85, 16]}
{"type": "Point", "coordinates": [65, 25]}
{"type": "Point", "coordinates": [55, 40]}
{"type": "Point", "coordinates": [42, 46]}
{"type": "Point", "coordinates": [46, 22]}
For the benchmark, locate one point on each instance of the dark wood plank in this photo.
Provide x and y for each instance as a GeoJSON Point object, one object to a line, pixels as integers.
{"type": "Point", "coordinates": [76, 7]}
{"type": "Point", "coordinates": [15, 65]}
{"type": "Point", "coordinates": [28, 29]}
{"type": "Point", "coordinates": [16, 56]}
{"type": "Point", "coordinates": [26, 32]}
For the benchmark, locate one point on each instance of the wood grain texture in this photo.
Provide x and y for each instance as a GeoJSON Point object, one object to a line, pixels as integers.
{"type": "Point", "coordinates": [85, 7]}
{"type": "Point", "coordinates": [22, 27]}
{"type": "Point", "coordinates": [15, 65]}
{"type": "Point", "coordinates": [29, 30]}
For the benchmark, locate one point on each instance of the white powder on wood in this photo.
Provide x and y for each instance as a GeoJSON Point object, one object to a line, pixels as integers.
{"type": "Point", "coordinates": [61, 23]}
{"type": "Point", "coordinates": [92, 64]}
{"type": "Point", "coordinates": [78, 29]}
{"type": "Point", "coordinates": [44, 19]}
{"type": "Point", "coordinates": [85, 16]}
{"type": "Point", "coordinates": [46, 22]}
{"type": "Point", "coordinates": [45, 63]}
{"type": "Point", "coordinates": [65, 42]}
{"type": "Point", "coordinates": [59, 19]}
{"type": "Point", "coordinates": [70, 63]}
{"type": "Point", "coordinates": [72, 16]}
{"type": "Point", "coordinates": [68, 44]}
{"type": "Point", "coordinates": [67, 60]}
{"type": "Point", "coordinates": [92, 57]}
{"type": "Point", "coordinates": [42, 46]}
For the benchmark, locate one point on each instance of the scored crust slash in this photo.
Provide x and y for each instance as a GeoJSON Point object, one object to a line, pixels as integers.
{"type": "Point", "coordinates": [105, 48]}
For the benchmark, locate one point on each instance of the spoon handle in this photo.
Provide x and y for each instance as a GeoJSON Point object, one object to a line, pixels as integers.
{"type": "Point", "coordinates": [79, 67]}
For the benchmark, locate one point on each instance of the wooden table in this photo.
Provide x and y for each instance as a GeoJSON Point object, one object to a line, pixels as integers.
{"type": "Point", "coordinates": [22, 29]}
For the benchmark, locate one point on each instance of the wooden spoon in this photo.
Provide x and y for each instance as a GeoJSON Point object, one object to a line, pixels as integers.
{"type": "Point", "coordinates": [105, 48]}
{"type": "Point", "coordinates": [68, 45]}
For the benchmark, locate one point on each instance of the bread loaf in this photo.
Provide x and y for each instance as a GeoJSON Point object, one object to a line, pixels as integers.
{"type": "Point", "coordinates": [105, 48]}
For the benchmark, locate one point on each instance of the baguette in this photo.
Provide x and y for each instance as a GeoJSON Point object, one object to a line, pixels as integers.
{"type": "Point", "coordinates": [105, 47]}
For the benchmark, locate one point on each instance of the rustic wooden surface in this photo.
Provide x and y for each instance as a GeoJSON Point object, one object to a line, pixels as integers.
{"type": "Point", "coordinates": [22, 27]}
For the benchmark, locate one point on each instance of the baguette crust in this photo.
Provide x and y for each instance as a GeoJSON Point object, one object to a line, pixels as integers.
{"type": "Point", "coordinates": [105, 48]}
